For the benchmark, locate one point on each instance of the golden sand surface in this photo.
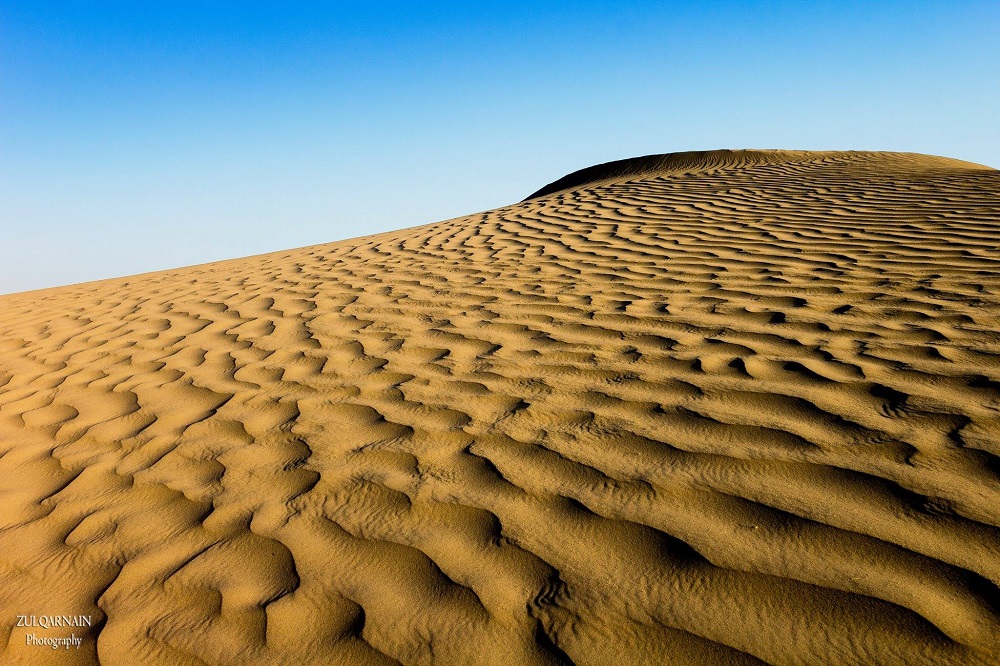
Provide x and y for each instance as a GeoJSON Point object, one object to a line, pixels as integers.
{"type": "Point", "coordinates": [735, 407]}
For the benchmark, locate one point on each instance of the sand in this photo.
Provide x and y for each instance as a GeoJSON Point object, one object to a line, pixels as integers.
{"type": "Point", "coordinates": [736, 407]}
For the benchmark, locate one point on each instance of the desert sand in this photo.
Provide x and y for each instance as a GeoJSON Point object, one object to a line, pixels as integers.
{"type": "Point", "coordinates": [733, 407]}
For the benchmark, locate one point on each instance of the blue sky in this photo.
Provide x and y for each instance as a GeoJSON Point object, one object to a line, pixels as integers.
{"type": "Point", "coordinates": [138, 136]}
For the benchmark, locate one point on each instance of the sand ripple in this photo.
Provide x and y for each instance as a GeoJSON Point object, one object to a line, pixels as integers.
{"type": "Point", "coordinates": [724, 409]}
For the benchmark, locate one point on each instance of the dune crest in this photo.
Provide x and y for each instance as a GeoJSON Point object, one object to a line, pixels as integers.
{"type": "Point", "coordinates": [738, 407]}
{"type": "Point", "coordinates": [710, 161]}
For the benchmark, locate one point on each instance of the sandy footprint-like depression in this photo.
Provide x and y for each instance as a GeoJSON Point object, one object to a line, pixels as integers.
{"type": "Point", "coordinates": [736, 407]}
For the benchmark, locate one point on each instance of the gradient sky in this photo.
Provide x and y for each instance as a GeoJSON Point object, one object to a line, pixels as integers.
{"type": "Point", "coordinates": [138, 136]}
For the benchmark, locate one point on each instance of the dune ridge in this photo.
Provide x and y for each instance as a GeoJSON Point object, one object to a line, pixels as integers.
{"type": "Point", "coordinates": [855, 162]}
{"type": "Point", "coordinates": [732, 409]}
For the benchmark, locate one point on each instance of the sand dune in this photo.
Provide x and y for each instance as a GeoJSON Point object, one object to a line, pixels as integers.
{"type": "Point", "coordinates": [737, 407]}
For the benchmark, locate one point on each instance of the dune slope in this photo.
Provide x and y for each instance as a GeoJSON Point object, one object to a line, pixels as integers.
{"type": "Point", "coordinates": [738, 407]}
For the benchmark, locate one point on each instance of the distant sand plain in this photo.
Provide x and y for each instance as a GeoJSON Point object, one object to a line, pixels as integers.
{"type": "Point", "coordinates": [735, 407]}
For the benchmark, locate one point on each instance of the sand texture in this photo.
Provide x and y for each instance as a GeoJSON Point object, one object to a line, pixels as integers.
{"type": "Point", "coordinates": [706, 408]}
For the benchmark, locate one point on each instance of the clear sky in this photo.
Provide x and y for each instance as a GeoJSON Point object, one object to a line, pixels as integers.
{"type": "Point", "coordinates": [138, 136]}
